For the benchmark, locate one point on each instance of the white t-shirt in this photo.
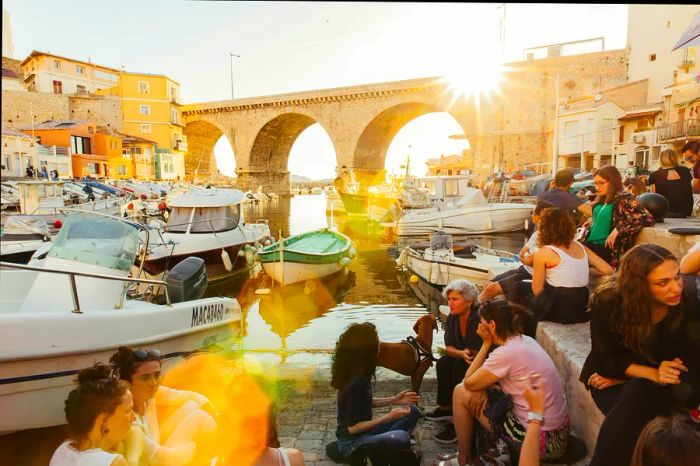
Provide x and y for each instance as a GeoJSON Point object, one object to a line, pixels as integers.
{"type": "Point", "coordinates": [532, 248]}
{"type": "Point", "coordinates": [66, 455]}
{"type": "Point", "coordinates": [513, 363]}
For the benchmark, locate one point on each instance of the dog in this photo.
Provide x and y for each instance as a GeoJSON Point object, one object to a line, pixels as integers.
{"type": "Point", "coordinates": [412, 356]}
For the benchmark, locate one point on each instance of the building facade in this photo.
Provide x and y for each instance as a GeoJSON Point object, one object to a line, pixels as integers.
{"type": "Point", "coordinates": [151, 110]}
{"type": "Point", "coordinates": [140, 152]}
{"type": "Point", "coordinates": [19, 152]}
{"type": "Point", "coordinates": [49, 73]}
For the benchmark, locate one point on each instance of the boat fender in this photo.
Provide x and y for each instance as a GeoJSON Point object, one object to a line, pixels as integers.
{"type": "Point", "coordinates": [344, 262]}
{"type": "Point", "coordinates": [226, 260]}
{"type": "Point", "coordinates": [401, 261]}
{"type": "Point", "coordinates": [250, 254]}
{"type": "Point", "coordinates": [413, 279]}
{"type": "Point", "coordinates": [352, 252]}
{"type": "Point", "coordinates": [241, 252]}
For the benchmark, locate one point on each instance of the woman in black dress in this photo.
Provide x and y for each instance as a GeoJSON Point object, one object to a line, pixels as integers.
{"type": "Point", "coordinates": [673, 182]}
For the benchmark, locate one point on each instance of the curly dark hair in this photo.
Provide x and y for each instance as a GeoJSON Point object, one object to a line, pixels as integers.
{"type": "Point", "coordinates": [124, 363]}
{"type": "Point", "coordinates": [557, 227]}
{"type": "Point", "coordinates": [626, 296]}
{"type": "Point", "coordinates": [510, 318]}
{"type": "Point", "coordinates": [356, 354]}
{"type": "Point", "coordinates": [97, 393]}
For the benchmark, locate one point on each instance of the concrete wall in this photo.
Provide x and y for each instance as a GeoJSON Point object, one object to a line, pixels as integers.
{"type": "Point", "coordinates": [655, 29]}
{"type": "Point", "coordinates": [104, 110]}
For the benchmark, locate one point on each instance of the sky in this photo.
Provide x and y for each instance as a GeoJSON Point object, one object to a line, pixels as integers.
{"type": "Point", "coordinates": [296, 46]}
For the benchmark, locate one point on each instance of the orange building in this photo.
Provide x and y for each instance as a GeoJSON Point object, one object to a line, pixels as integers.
{"type": "Point", "coordinates": [80, 137]}
{"type": "Point", "coordinates": [119, 164]}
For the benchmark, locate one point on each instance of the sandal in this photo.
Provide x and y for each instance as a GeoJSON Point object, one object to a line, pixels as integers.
{"type": "Point", "coordinates": [446, 459]}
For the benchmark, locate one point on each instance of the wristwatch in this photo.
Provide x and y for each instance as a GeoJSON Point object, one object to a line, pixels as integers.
{"type": "Point", "coordinates": [534, 417]}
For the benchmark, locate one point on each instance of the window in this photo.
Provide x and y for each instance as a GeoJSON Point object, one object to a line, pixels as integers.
{"type": "Point", "coordinates": [79, 69]}
{"type": "Point", "coordinates": [451, 188]}
{"type": "Point", "coordinates": [80, 145]}
{"type": "Point", "coordinates": [92, 168]}
{"type": "Point", "coordinates": [622, 135]}
{"type": "Point", "coordinates": [143, 87]}
{"type": "Point", "coordinates": [214, 219]}
{"type": "Point", "coordinates": [652, 57]}
{"type": "Point", "coordinates": [56, 65]}
{"type": "Point", "coordinates": [146, 129]}
{"type": "Point", "coordinates": [607, 130]}
{"type": "Point", "coordinates": [655, 153]}
{"type": "Point", "coordinates": [80, 89]}
{"type": "Point", "coordinates": [571, 129]}
{"type": "Point", "coordinates": [121, 169]}
{"type": "Point", "coordinates": [173, 94]}
{"type": "Point", "coordinates": [91, 129]}
{"type": "Point", "coordinates": [145, 109]}
{"type": "Point", "coordinates": [173, 116]}
{"type": "Point", "coordinates": [57, 87]}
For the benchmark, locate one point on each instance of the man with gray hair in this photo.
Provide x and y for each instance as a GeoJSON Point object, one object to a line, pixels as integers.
{"type": "Point", "coordinates": [461, 345]}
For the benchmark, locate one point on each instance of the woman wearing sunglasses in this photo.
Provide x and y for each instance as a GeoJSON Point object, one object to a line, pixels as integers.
{"type": "Point", "coordinates": [172, 427]}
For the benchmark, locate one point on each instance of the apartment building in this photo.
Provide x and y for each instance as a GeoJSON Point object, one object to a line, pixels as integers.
{"type": "Point", "coordinates": [46, 72]}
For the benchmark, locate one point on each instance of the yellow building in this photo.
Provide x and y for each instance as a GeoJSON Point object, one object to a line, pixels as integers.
{"type": "Point", "coordinates": [141, 152]}
{"type": "Point", "coordinates": [46, 72]}
{"type": "Point", "coordinates": [449, 164]}
{"type": "Point", "coordinates": [151, 110]}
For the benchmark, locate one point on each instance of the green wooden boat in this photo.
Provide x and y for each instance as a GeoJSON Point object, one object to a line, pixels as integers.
{"type": "Point", "coordinates": [307, 256]}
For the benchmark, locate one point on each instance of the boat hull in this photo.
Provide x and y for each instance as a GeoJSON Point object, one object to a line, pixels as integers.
{"type": "Point", "coordinates": [441, 269]}
{"type": "Point", "coordinates": [494, 218]}
{"type": "Point", "coordinates": [354, 203]}
{"type": "Point", "coordinates": [41, 353]}
{"type": "Point", "coordinates": [294, 272]}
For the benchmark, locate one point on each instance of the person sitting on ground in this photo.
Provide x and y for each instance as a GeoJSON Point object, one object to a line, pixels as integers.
{"type": "Point", "coordinates": [171, 426]}
{"type": "Point", "coordinates": [353, 367]}
{"type": "Point", "coordinates": [510, 365]}
{"type": "Point", "coordinates": [508, 282]}
{"type": "Point", "coordinates": [559, 196]}
{"type": "Point", "coordinates": [461, 345]}
{"type": "Point", "coordinates": [274, 455]}
{"type": "Point", "coordinates": [635, 186]}
{"type": "Point", "coordinates": [674, 182]}
{"type": "Point", "coordinates": [561, 271]}
{"type": "Point", "coordinates": [668, 441]}
{"type": "Point", "coordinates": [99, 414]}
{"type": "Point", "coordinates": [641, 349]}
{"type": "Point", "coordinates": [618, 217]}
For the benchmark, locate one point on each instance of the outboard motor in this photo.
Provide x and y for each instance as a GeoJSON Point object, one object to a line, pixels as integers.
{"type": "Point", "coordinates": [656, 204]}
{"type": "Point", "coordinates": [187, 280]}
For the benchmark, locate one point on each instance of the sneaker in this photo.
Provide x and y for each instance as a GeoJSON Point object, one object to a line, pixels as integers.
{"type": "Point", "coordinates": [439, 415]}
{"type": "Point", "coordinates": [446, 436]}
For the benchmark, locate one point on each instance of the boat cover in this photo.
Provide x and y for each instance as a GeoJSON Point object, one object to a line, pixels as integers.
{"type": "Point", "coordinates": [25, 225]}
{"type": "Point", "coordinates": [473, 198]}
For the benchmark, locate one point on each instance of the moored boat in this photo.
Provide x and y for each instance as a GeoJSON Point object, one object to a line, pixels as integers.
{"type": "Point", "coordinates": [307, 256]}
{"type": "Point", "coordinates": [81, 305]}
{"type": "Point", "coordinates": [21, 236]}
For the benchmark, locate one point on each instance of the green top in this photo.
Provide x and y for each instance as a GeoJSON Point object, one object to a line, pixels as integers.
{"type": "Point", "coordinates": [602, 220]}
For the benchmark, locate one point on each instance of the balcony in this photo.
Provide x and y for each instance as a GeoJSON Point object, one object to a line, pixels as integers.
{"type": "Point", "coordinates": [679, 130]}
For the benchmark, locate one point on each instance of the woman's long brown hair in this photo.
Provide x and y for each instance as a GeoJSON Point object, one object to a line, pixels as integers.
{"type": "Point", "coordinates": [611, 175]}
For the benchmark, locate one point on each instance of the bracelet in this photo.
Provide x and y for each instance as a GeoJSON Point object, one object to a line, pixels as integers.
{"type": "Point", "coordinates": [531, 416]}
{"type": "Point", "coordinates": [534, 421]}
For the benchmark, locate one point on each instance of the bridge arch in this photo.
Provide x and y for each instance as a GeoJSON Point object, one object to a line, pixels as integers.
{"type": "Point", "coordinates": [202, 136]}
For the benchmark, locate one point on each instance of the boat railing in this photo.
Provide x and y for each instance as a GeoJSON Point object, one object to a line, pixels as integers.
{"type": "Point", "coordinates": [48, 210]}
{"type": "Point", "coordinates": [74, 290]}
{"type": "Point", "coordinates": [211, 221]}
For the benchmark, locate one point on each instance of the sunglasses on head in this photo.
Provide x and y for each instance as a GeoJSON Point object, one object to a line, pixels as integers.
{"type": "Point", "coordinates": [142, 355]}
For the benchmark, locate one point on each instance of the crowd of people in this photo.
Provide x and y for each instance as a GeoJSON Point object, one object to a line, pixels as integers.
{"type": "Point", "coordinates": [494, 381]}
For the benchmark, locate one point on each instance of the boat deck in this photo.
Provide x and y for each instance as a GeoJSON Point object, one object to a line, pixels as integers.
{"type": "Point", "coordinates": [317, 244]}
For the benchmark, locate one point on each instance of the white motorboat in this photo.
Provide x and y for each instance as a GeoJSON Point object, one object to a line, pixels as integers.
{"type": "Point", "coordinates": [469, 215]}
{"type": "Point", "coordinates": [442, 262]}
{"type": "Point", "coordinates": [21, 236]}
{"type": "Point", "coordinates": [206, 223]}
{"type": "Point", "coordinates": [81, 306]}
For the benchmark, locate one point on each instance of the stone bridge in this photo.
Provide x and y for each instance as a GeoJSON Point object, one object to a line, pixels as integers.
{"type": "Point", "coordinates": [361, 122]}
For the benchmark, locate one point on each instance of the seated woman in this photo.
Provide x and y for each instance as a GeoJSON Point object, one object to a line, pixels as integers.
{"type": "Point", "coordinates": [617, 217]}
{"type": "Point", "coordinates": [635, 186]}
{"type": "Point", "coordinates": [274, 455]}
{"type": "Point", "coordinates": [674, 182]}
{"type": "Point", "coordinates": [354, 364]}
{"type": "Point", "coordinates": [561, 271]}
{"type": "Point", "coordinates": [510, 365]}
{"type": "Point", "coordinates": [641, 348]}
{"type": "Point", "coordinates": [461, 345]}
{"type": "Point", "coordinates": [99, 414]}
{"type": "Point", "coordinates": [177, 437]}
{"type": "Point", "coordinates": [509, 283]}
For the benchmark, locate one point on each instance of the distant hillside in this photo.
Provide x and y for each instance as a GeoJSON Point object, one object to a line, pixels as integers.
{"type": "Point", "coordinates": [298, 178]}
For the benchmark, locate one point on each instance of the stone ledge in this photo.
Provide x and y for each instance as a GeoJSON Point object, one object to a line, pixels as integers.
{"type": "Point", "coordinates": [677, 244]}
{"type": "Point", "coordinates": [568, 346]}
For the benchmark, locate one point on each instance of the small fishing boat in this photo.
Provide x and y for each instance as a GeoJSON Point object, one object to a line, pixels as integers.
{"type": "Point", "coordinates": [21, 236]}
{"type": "Point", "coordinates": [82, 304]}
{"type": "Point", "coordinates": [307, 256]}
{"type": "Point", "coordinates": [441, 262]}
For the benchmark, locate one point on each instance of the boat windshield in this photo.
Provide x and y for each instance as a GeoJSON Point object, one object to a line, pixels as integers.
{"type": "Point", "coordinates": [214, 219]}
{"type": "Point", "coordinates": [179, 220]}
{"type": "Point", "coordinates": [97, 240]}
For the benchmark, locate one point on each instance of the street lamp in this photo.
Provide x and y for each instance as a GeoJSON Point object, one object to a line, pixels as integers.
{"type": "Point", "coordinates": [237, 56]}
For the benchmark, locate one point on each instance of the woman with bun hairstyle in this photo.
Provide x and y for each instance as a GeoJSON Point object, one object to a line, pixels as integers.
{"type": "Point", "coordinates": [181, 435]}
{"type": "Point", "coordinates": [99, 414]}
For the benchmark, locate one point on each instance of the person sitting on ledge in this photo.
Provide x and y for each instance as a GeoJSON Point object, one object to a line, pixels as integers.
{"type": "Point", "coordinates": [505, 411]}
{"type": "Point", "coordinates": [461, 345]}
{"type": "Point", "coordinates": [354, 363]}
{"type": "Point", "coordinates": [644, 358]}
{"type": "Point", "coordinates": [99, 413]}
{"type": "Point", "coordinates": [172, 427]}
{"type": "Point", "coordinates": [560, 197]}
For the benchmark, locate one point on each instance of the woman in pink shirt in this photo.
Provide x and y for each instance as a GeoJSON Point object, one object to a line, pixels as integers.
{"type": "Point", "coordinates": [504, 410]}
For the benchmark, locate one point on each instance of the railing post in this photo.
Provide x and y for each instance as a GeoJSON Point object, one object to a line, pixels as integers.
{"type": "Point", "coordinates": [74, 294]}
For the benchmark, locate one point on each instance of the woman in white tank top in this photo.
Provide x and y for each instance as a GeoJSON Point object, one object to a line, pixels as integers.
{"type": "Point", "coordinates": [561, 271]}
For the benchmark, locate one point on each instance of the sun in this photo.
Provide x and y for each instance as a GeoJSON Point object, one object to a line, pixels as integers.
{"type": "Point", "coordinates": [474, 78]}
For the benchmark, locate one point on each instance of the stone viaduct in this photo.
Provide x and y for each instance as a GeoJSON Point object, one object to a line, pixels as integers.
{"type": "Point", "coordinates": [361, 122]}
{"type": "Point", "coordinates": [508, 128]}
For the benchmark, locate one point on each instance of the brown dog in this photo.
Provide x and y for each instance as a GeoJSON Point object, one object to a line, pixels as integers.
{"type": "Point", "coordinates": [411, 359]}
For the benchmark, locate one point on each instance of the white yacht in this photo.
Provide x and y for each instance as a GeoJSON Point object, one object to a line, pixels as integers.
{"type": "Point", "coordinates": [81, 305]}
{"type": "Point", "coordinates": [206, 223]}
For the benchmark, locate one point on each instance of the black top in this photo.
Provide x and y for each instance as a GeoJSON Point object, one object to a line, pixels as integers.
{"type": "Point", "coordinates": [679, 193]}
{"type": "Point", "coordinates": [560, 199]}
{"type": "Point", "coordinates": [676, 336]}
{"type": "Point", "coordinates": [354, 405]}
{"type": "Point", "coordinates": [453, 337]}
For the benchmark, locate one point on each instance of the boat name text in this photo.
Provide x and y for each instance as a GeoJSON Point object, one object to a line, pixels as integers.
{"type": "Point", "coordinates": [202, 315]}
